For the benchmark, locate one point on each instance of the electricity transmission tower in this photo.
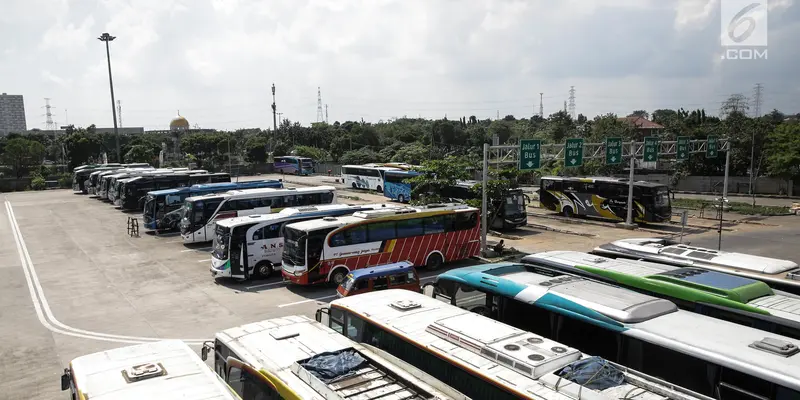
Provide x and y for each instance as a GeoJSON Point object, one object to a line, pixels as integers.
{"type": "Point", "coordinates": [572, 101]}
{"type": "Point", "coordinates": [49, 124]}
{"type": "Point", "coordinates": [320, 116]}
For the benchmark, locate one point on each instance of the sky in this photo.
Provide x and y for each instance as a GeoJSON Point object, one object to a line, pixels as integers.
{"type": "Point", "coordinates": [216, 60]}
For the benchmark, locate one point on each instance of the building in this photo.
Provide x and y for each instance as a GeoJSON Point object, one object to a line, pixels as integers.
{"type": "Point", "coordinates": [644, 127]}
{"type": "Point", "coordinates": [12, 114]}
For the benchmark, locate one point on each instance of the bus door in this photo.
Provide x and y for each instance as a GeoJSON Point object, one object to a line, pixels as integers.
{"type": "Point", "coordinates": [238, 254]}
{"type": "Point", "coordinates": [266, 243]}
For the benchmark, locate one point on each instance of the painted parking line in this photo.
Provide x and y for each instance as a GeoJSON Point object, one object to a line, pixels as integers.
{"type": "Point", "coordinates": [306, 301]}
{"type": "Point", "coordinates": [204, 260]}
{"type": "Point", "coordinates": [203, 249]}
{"type": "Point", "coordinates": [266, 284]}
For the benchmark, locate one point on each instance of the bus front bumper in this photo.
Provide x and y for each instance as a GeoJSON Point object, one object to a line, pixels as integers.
{"type": "Point", "coordinates": [220, 268]}
{"type": "Point", "coordinates": [152, 225]}
{"type": "Point", "coordinates": [294, 274]}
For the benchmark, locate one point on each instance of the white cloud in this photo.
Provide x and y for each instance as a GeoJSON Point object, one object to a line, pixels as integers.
{"type": "Point", "coordinates": [68, 38]}
{"type": "Point", "coordinates": [694, 14]}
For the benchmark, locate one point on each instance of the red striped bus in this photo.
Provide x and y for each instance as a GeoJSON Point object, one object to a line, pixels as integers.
{"type": "Point", "coordinates": [327, 249]}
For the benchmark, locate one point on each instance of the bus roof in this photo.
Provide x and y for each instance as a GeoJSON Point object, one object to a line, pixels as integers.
{"type": "Point", "coordinates": [103, 375]}
{"type": "Point", "coordinates": [320, 210]}
{"type": "Point", "coordinates": [257, 192]}
{"type": "Point", "coordinates": [603, 179]}
{"type": "Point", "coordinates": [331, 222]}
{"type": "Point", "coordinates": [373, 166]}
{"type": "Point", "coordinates": [402, 172]}
{"type": "Point", "coordinates": [383, 270]}
{"type": "Point", "coordinates": [213, 187]}
{"type": "Point", "coordinates": [522, 362]}
{"type": "Point", "coordinates": [281, 346]}
{"type": "Point", "coordinates": [648, 318]}
{"type": "Point", "coordinates": [642, 273]}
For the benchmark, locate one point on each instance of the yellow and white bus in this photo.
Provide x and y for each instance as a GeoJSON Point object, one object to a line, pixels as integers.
{"type": "Point", "coordinates": [297, 358]}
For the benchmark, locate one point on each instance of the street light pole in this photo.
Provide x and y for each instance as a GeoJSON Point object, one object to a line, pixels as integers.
{"type": "Point", "coordinates": [105, 37]}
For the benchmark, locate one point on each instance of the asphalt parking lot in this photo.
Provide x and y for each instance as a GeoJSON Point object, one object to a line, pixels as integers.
{"type": "Point", "coordinates": [76, 283]}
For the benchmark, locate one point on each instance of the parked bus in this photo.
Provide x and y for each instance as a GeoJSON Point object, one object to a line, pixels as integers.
{"type": "Point", "coordinates": [733, 298]}
{"type": "Point", "coordinates": [511, 211]}
{"type": "Point", "coordinates": [162, 208]}
{"type": "Point", "coordinates": [81, 173]}
{"type": "Point", "coordinates": [93, 182]}
{"type": "Point", "coordinates": [201, 213]}
{"type": "Point", "coordinates": [297, 358]}
{"type": "Point", "coordinates": [252, 246]}
{"type": "Point", "coordinates": [134, 194]}
{"type": "Point", "coordinates": [109, 185]}
{"type": "Point", "coordinates": [779, 274]}
{"type": "Point", "coordinates": [197, 179]}
{"type": "Point", "coordinates": [326, 250]}
{"type": "Point", "coordinates": [104, 178]}
{"type": "Point", "coordinates": [486, 359]}
{"type": "Point", "coordinates": [716, 358]}
{"type": "Point", "coordinates": [605, 198]}
{"type": "Point", "coordinates": [293, 165]}
{"type": "Point", "coordinates": [365, 176]}
{"type": "Point", "coordinates": [167, 369]}
{"type": "Point", "coordinates": [396, 185]}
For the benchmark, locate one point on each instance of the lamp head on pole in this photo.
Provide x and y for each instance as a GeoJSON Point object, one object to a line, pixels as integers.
{"type": "Point", "coordinates": [105, 37]}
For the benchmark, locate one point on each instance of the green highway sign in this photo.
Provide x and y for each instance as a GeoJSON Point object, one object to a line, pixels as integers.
{"type": "Point", "coordinates": [613, 151]}
{"type": "Point", "coordinates": [682, 148]}
{"type": "Point", "coordinates": [651, 144]}
{"type": "Point", "coordinates": [530, 154]}
{"type": "Point", "coordinates": [711, 147]}
{"type": "Point", "coordinates": [573, 153]}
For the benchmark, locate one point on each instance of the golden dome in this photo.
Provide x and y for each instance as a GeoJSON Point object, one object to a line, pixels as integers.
{"type": "Point", "coordinates": [178, 123]}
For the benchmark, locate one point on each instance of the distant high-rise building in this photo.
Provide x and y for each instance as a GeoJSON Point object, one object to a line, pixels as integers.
{"type": "Point", "coordinates": [12, 114]}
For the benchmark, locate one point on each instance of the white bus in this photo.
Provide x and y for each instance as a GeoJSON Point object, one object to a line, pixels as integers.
{"type": "Point", "coordinates": [483, 358]}
{"type": "Point", "coordinates": [201, 213]}
{"type": "Point", "coordinates": [167, 369]}
{"type": "Point", "coordinates": [714, 357]}
{"type": "Point", "coordinates": [368, 177]}
{"type": "Point", "coordinates": [296, 358]}
{"type": "Point", "coordinates": [252, 246]}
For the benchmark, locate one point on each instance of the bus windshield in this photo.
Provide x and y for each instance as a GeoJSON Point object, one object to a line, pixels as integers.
{"type": "Point", "coordinates": [514, 204]}
{"type": "Point", "coordinates": [307, 162]}
{"type": "Point", "coordinates": [294, 246]}
{"type": "Point", "coordinates": [150, 207]}
{"type": "Point", "coordinates": [661, 197]}
{"type": "Point", "coordinates": [221, 242]}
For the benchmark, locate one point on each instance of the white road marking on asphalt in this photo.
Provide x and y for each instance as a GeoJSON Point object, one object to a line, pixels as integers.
{"type": "Point", "coordinates": [205, 260]}
{"type": "Point", "coordinates": [306, 301]}
{"type": "Point", "coordinates": [42, 307]}
{"type": "Point", "coordinates": [267, 284]}
{"type": "Point", "coordinates": [175, 241]}
{"type": "Point", "coordinates": [204, 249]}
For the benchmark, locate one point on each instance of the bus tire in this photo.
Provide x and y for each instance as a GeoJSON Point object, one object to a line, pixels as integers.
{"type": "Point", "coordinates": [401, 198]}
{"type": "Point", "coordinates": [567, 212]}
{"type": "Point", "coordinates": [434, 261]}
{"type": "Point", "coordinates": [379, 189]}
{"type": "Point", "coordinates": [337, 276]}
{"type": "Point", "coordinates": [263, 269]}
{"type": "Point", "coordinates": [354, 186]}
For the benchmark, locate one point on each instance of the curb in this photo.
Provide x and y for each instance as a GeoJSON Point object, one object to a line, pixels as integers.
{"type": "Point", "coordinates": [764, 196]}
{"type": "Point", "coordinates": [617, 226]}
{"type": "Point", "coordinates": [564, 231]}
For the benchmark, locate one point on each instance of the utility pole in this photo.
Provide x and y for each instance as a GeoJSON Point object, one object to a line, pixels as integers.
{"type": "Point", "coordinates": [326, 113]}
{"type": "Point", "coordinates": [119, 112]}
{"type": "Point", "coordinates": [629, 218]}
{"type": "Point", "coordinates": [757, 113]}
{"type": "Point", "coordinates": [105, 37]}
{"type": "Point", "coordinates": [541, 105]}
{"type": "Point", "coordinates": [274, 119]}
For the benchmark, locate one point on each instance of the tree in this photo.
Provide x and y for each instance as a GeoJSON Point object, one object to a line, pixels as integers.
{"type": "Point", "coordinates": [255, 149]}
{"type": "Point", "coordinates": [501, 129]}
{"type": "Point", "coordinates": [360, 156]}
{"type": "Point", "coordinates": [140, 153]}
{"type": "Point", "coordinates": [413, 154]}
{"type": "Point", "coordinates": [497, 187]}
{"type": "Point", "coordinates": [783, 151]}
{"type": "Point", "coordinates": [735, 104]}
{"type": "Point", "coordinates": [81, 145]}
{"type": "Point", "coordinates": [640, 113]}
{"type": "Point", "coordinates": [21, 154]}
{"type": "Point", "coordinates": [436, 176]}
{"type": "Point", "coordinates": [318, 155]}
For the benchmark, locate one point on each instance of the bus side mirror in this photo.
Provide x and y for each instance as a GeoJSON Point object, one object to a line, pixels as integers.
{"type": "Point", "coordinates": [65, 380]}
{"type": "Point", "coordinates": [207, 346]}
{"type": "Point", "coordinates": [322, 315]}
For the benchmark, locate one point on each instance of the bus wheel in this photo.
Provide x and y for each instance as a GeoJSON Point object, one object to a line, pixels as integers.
{"type": "Point", "coordinates": [337, 277]}
{"type": "Point", "coordinates": [354, 186]}
{"type": "Point", "coordinates": [263, 269]}
{"type": "Point", "coordinates": [567, 212]}
{"type": "Point", "coordinates": [401, 198]}
{"type": "Point", "coordinates": [434, 261]}
{"type": "Point", "coordinates": [379, 189]}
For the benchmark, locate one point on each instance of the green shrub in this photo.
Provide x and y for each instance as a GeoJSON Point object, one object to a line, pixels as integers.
{"type": "Point", "coordinates": [65, 181]}
{"type": "Point", "coordinates": [37, 183]}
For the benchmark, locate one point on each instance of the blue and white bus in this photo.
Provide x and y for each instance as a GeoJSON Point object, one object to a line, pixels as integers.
{"type": "Point", "coordinates": [716, 358]}
{"type": "Point", "coordinates": [294, 165]}
{"type": "Point", "coordinates": [162, 207]}
{"type": "Point", "coordinates": [395, 185]}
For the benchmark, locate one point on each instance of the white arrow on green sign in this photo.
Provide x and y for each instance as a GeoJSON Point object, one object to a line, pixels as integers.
{"type": "Point", "coordinates": [530, 154]}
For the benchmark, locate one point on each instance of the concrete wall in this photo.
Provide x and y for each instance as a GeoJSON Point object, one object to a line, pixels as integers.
{"type": "Point", "coordinates": [736, 184]}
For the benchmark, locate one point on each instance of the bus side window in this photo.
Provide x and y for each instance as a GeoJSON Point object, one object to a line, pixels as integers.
{"type": "Point", "coordinates": [258, 234]}
{"type": "Point", "coordinates": [434, 224]}
{"type": "Point", "coordinates": [326, 198]}
{"type": "Point", "coordinates": [397, 280]}
{"type": "Point", "coordinates": [272, 231]}
{"type": "Point", "coordinates": [337, 320]}
{"type": "Point", "coordinates": [380, 283]}
{"type": "Point", "coordinates": [235, 380]}
{"type": "Point", "coordinates": [380, 231]}
{"type": "Point", "coordinates": [471, 299]}
{"type": "Point", "coordinates": [409, 228]}
{"type": "Point", "coordinates": [466, 221]}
